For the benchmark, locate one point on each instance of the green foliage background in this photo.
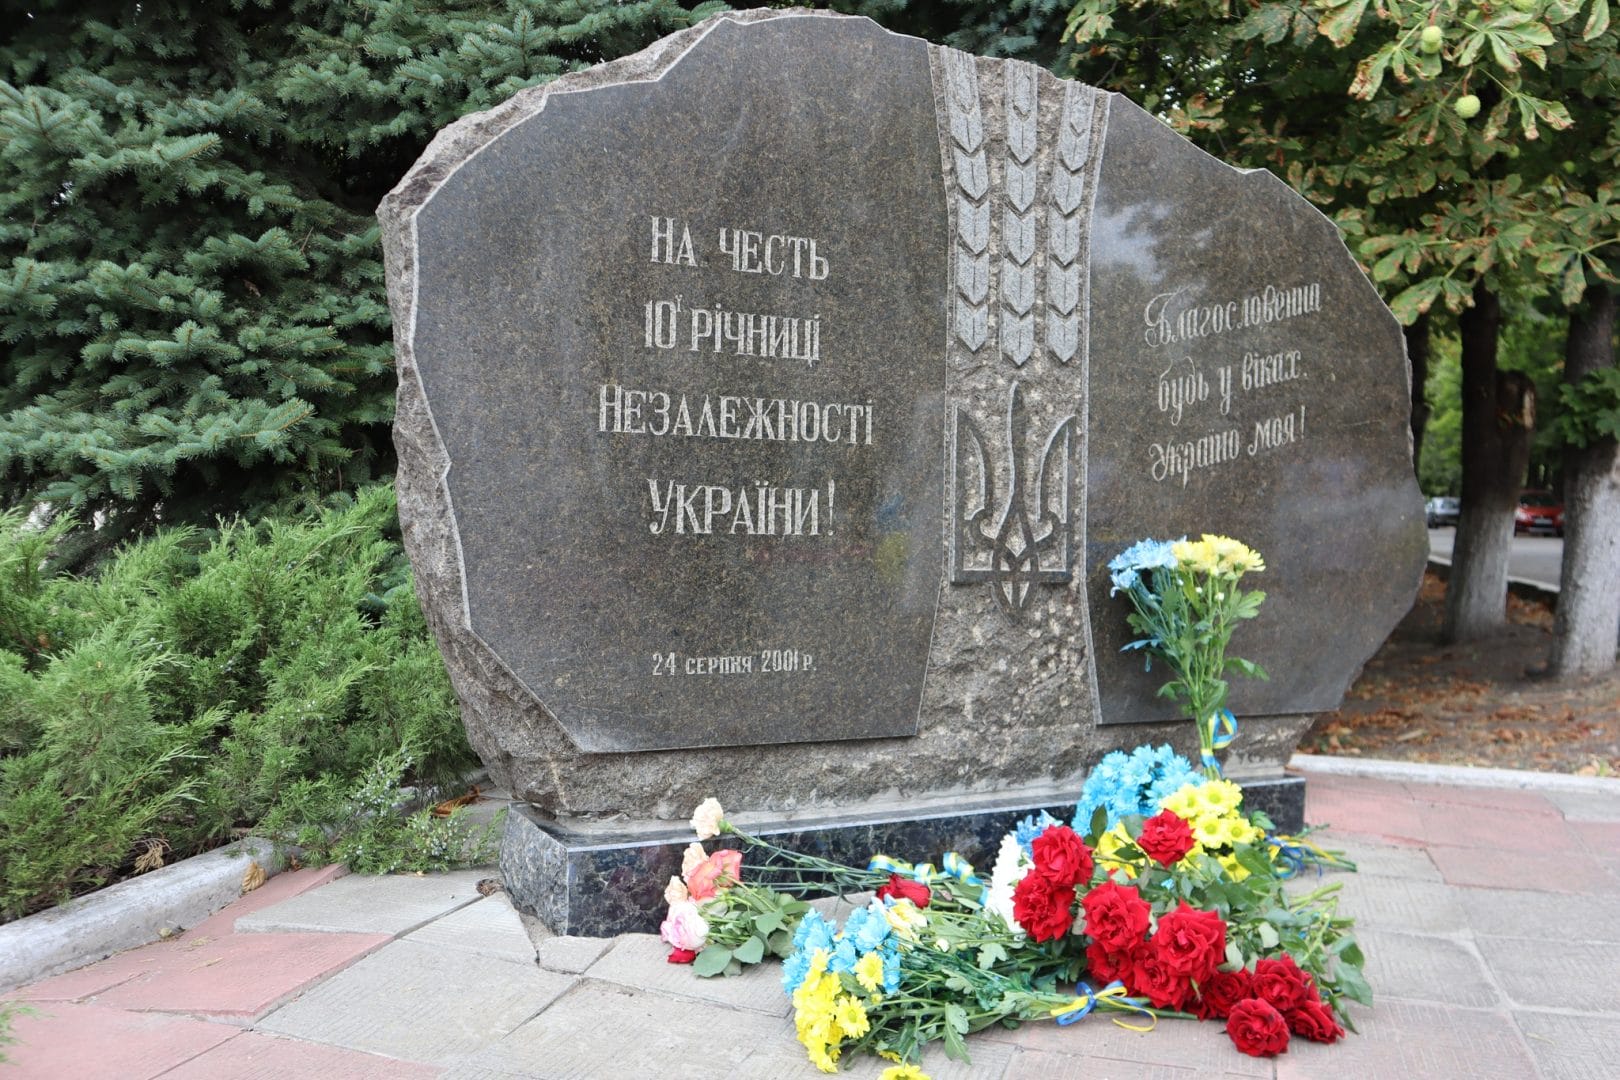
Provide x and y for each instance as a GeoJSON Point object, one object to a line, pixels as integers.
{"type": "Point", "coordinates": [183, 693]}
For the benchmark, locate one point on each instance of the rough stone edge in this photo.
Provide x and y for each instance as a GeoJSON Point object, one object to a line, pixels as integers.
{"type": "Point", "coordinates": [1465, 776]}
{"type": "Point", "coordinates": [128, 914]}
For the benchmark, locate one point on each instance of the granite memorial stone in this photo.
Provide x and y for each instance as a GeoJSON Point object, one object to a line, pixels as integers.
{"type": "Point", "coordinates": [771, 401]}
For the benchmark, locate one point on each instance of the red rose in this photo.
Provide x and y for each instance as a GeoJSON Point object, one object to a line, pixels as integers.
{"type": "Point", "coordinates": [1257, 1029]}
{"type": "Point", "coordinates": [1192, 942]}
{"type": "Point", "coordinates": [1165, 838]}
{"type": "Point", "coordinates": [1314, 1021]}
{"type": "Point", "coordinates": [1221, 991]}
{"type": "Point", "coordinates": [1281, 983]}
{"type": "Point", "coordinates": [1116, 916]}
{"type": "Point", "coordinates": [1042, 906]}
{"type": "Point", "coordinates": [1152, 976]}
{"type": "Point", "coordinates": [682, 956]}
{"type": "Point", "coordinates": [902, 888]}
{"type": "Point", "coordinates": [1105, 965]}
{"type": "Point", "coordinates": [1062, 855]}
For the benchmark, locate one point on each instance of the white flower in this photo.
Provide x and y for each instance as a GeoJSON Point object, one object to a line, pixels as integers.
{"type": "Point", "coordinates": [707, 818]}
{"type": "Point", "coordinates": [691, 857]}
{"type": "Point", "coordinates": [1009, 870]}
{"type": "Point", "coordinates": [675, 892]}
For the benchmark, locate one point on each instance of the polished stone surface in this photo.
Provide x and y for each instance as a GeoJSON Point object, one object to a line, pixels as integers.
{"type": "Point", "coordinates": [685, 364]}
{"type": "Point", "coordinates": [1246, 380]}
{"type": "Point", "coordinates": [991, 237]}
{"type": "Point", "coordinates": [607, 881]}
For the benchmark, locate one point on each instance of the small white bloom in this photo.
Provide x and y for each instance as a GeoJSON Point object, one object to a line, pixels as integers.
{"type": "Point", "coordinates": [675, 892]}
{"type": "Point", "coordinates": [691, 857]}
{"type": "Point", "coordinates": [707, 818]}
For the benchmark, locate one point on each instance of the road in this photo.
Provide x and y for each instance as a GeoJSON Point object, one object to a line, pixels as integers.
{"type": "Point", "coordinates": [1535, 558]}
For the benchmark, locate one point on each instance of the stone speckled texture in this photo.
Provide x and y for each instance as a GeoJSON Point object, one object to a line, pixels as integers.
{"type": "Point", "coordinates": [1008, 701]}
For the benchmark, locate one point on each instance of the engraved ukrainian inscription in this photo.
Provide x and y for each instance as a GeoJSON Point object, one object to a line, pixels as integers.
{"type": "Point", "coordinates": [692, 414]}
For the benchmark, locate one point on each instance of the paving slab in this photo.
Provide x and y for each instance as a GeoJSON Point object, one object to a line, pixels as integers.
{"type": "Point", "coordinates": [1499, 800]}
{"type": "Point", "coordinates": [1600, 838]}
{"type": "Point", "coordinates": [1422, 968]}
{"type": "Point", "coordinates": [1542, 916]}
{"type": "Point", "coordinates": [1390, 816]}
{"type": "Point", "coordinates": [284, 886]}
{"type": "Point", "coordinates": [641, 961]}
{"type": "Point", "coordinates": [362, 904]}
{"type": "Point", "coordinates": [252, 1056]}
{"type": "Point", "coordinates": [1500, 832]}
{"type": "Point", "coordinates": [488, 927]}
{"type": "Point", "coordinates": [239, 977]}
{"type": "Point", "coordinates": [67, 1040]}
{"type": "Point", "coordinates": [569, 954]}
{"type": "Point", "coordinates": [1571, 1047]}
{"type": "Point", "coordinates": [1416, 1040]}
{"type": "Point", "coordinates": [1587, 806]}
{"type": "Point", "coordinates": [1555, 974]}
{"type": "Point", "coordinates": [1533, 871]}
{"type": "Point", "coordinates": [664, 1038]}
{"type": "Point", "coordinates": [1397, 904]}
{"type": "Point", "coordinates": [1186, 1044]}
{"type": "Point", "coordinates": [1374, 860]}
{"type": "Point", "coordinates": [1040, 1065]}
{"type": "Point", "coordinates": [420, 1003]}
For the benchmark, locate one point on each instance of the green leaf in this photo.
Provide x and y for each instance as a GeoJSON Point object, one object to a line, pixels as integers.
{"type": "Point", "coordinates": [767, 922]}
{"type": "Point", "coordinates": [751, 951]}
{"type": "Point", "coordinates": [711, 961]}
{"type": "Point", "coordinates": [1598, 21]}
{"type": "Point", "coordinates": [1268, 936]}
{"type": "Point", "coordinates": [1340, 26]}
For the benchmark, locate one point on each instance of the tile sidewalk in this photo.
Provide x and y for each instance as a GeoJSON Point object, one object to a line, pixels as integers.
{"type": "Point", "coordinates": [1490, 919]}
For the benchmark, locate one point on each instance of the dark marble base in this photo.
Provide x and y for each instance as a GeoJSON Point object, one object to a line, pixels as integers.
{"type": "Point", "coordinates": [1281, 797]}
{"type": "Point", "coordinates": [598, 881]}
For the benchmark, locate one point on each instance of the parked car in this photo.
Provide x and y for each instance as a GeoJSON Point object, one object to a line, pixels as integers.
{"type": "Point", "coordinates": [1538, 511]}
{"type": "Point", "coordinates": [1442, 510]}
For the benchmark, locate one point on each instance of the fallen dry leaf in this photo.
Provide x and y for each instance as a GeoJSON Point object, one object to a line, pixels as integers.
{"type": "Point", "coordinates": [253, 877]}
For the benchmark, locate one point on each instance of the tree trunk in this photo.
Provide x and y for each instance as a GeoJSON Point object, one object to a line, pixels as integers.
{"type": "Point", "coordinates": [1586, 629]}
{"type": "Point", "coordinates": [1417, 353]}
{"type": "Point", "coordinates": [1499, 412]}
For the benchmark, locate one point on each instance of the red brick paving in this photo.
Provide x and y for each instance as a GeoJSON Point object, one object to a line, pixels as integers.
{"type": "Point", "coordinates": [239, 977]}
{"type": "Point", "coordinates": [82, 1041]}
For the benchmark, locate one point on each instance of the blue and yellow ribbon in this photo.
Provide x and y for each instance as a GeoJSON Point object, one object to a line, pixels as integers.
{"type": "Point", "coordinates": [1114, 996]}
{"type": "Point", "coordinates": [1222, 730]}
{"type": "Point", "coordinates": [1293, 853]}
{"type": "Point", "coordinates": [926, 872]}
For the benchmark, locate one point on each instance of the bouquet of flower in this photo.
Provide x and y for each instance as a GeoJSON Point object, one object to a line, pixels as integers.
{"type": "Point", "coordinates": [1186, 602]}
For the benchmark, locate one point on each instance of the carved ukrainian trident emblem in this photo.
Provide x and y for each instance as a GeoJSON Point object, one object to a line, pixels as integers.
{"type": "Point", "coordinates": [1002, 542]}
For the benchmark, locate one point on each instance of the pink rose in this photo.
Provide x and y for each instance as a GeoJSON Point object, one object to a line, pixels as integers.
{"type": "Point", "coordinates": [684, 927]}
{"type": "Point", "coordinates": [719, 871]}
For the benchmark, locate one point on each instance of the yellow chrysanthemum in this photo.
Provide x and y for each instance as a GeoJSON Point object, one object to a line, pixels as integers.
{"type": "Point", "coordinates": [1183, 803]}
{"type": "Point", "coordinates": [1218, 796]}
{"type": "Point", "coordinates": [1195, 555]}
{"type": "Point", "coordinates": [869, 971]}
{"type": "Point", "coordinates": [1108, 846]}
{"type": "Point", "coordinates": [1212, 832]}
{"type": "Point", "coordinates": [851, 1017]}
{"type": "Point", "coordinates": [1234, 869]}
{"type": "Point", "coordinates": [903, 1072]}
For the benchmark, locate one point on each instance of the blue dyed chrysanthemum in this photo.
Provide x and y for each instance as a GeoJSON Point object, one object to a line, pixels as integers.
{"type": "Point", "coordinates": [1132, 784]}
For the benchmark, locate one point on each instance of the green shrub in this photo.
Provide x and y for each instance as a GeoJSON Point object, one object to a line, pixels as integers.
{"type": "Point", "coordinates": [202, 681]}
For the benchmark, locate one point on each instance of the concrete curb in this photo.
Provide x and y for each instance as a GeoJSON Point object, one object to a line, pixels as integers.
{"type": "Point", "coordinates": [128, 914]}
{"type": "Point", "coordinates": [1413, 772]}
{"type": "Point", "coordinates": [1523, 588]}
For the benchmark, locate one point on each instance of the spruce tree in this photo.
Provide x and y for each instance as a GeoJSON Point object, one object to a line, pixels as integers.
{"type": "Point", "coordinates": [192, 308]}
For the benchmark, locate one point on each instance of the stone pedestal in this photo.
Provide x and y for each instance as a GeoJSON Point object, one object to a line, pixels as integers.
{"type": "Point", "coordinates": [602, 880]}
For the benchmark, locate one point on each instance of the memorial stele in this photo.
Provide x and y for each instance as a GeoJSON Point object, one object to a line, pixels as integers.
{"type": "Point", "coordinates": [771, 401]}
